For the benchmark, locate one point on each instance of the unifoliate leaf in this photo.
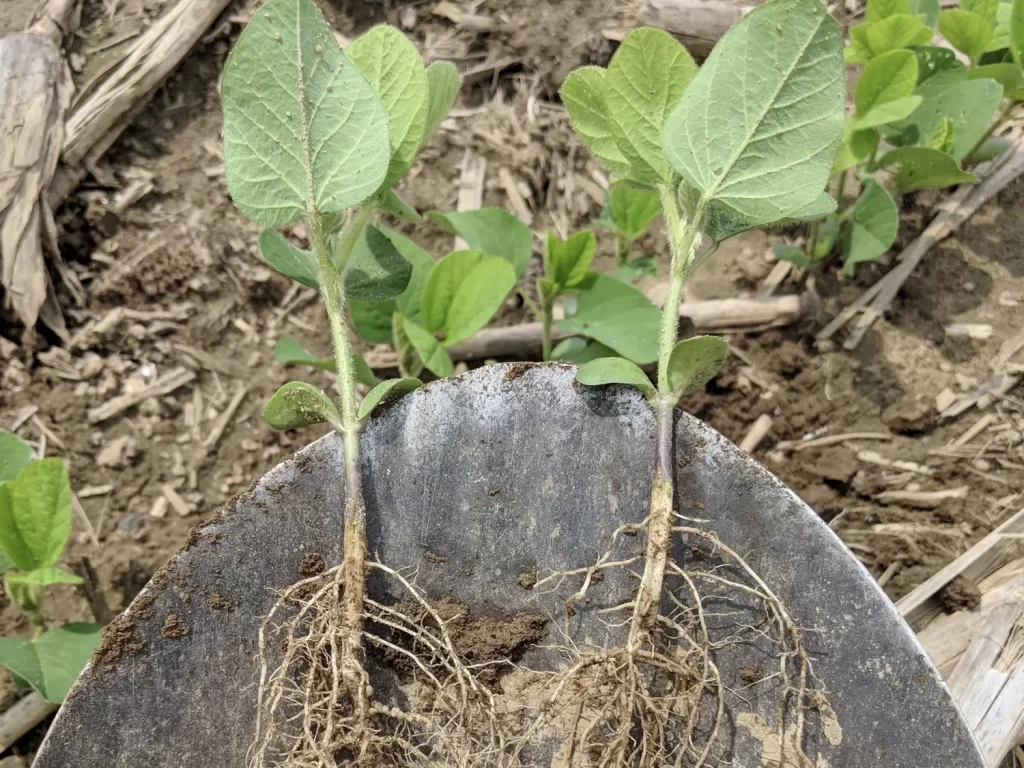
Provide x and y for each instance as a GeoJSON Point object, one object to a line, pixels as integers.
{"type": "Point", "coordinates": [290, 352]}
{"type": "Point", "coordinates": [615, 370]}
{"type": "Point", "coordinates": [761, 139]}
{"type": "Point", "coordinates": [884, 92]}
{"type": "Point", "coordinates": [53, 661]}
{"type": "Point", "coordinates": [1016, 31]}
{"type": "Point", "coordinates": [15, 453]}
{"type": "Point", "coordinates": [35, 514]}
{"type": "Point", "coordinates": [376, 270]}
{"type": "Point", "coordinates": [617, 315]}
{"type": "Point", "coordinates": [493, 232]}
{"type": "Point", "coordinates": [990, 148]}
{"type": "Point", "coordinates": [883, 9]}
{"type": "Point", "coordinates": [942, 135]}
{"type": "Point", "coordinates": [646, 76]}
{"type": "Point", "coordinates": [363, 372]}
{"type": "Point", "coordinates": [303, 129]}
{"type": "Point", "coordinates": [477, 297]}
{"type": "Point", "coordinates": [694, 362]}
{"type": "Point", "coordinates": [298, 404]}
{"type": "Point", "coordinates": [792, 254]}
{"type": "Point", "coordinates": [393, 66]}
{"type": "Point", "coordinates": [895, 32]}
{"type": "Point", "coordinates": [584, 99]}
{"type": "Point", "coordinates": [1007, 75]}
{"type": "Point", "coordinates": [924, 168]}
{"type": "Point", "coordinates": [928, 10]}
{"type": "Point", "coordinates": [410, 300]}
{"type": "Point", "coordinates": [569, 260]}
{"type": "Point", "coordinates": [933, 59]}
{"type": "Point", "coordinates": [969, 105]}
{"type": "Point", "coordinates": [968, 32]}
{"type": "Point", "coordinates": [290, 261]}
{"type": "Point", "coordinates": [431, 352]}
{"type": "Point", "coordinates": [443, 83]}
{"type": "Point", "coordinates": [874, 222]}
{"type": "Point", "coordinates": [372, 320]}
{"type": "Point", "coordinates": [986, 9]}
{"type": "Point", "coordinates": [632, 209]}
{"type": "Point", "coordinates": [387, 392]}
{"type": "Point", "coordinates": [392, 203]}
{"type": "Point", "coordinates": [44, 576]}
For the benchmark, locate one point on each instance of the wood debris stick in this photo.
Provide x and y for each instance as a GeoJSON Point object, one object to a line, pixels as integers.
{"type": "Point", "coordinates": [177, 503]}
{"type": "Point", "coordinates": [873, 457]}
{"type": "Point", "coordinates": [997, 174]}
{"type": "Point", "coordinates": [758, 431]}
{"type": "Point", "coordinates": [223, 421]}
{"type": "Point", "coordinates": [973, 431]}
{"type": "Point", "coordinates": [1007, 351]}
{"type": "Point", "coordinates": [983, 396]}
{"type": "Point", "coordinates": [24, 415]}
{"type": "Point", "coordinates": [472, 21]}
{"type": "Point", "coordinates": [43, 429]}
{"type": "Point", "coordinates": [79, 510]}
{"type": "Point", "coordinates": [92, 591]}
{"type": "Point", "coordinates": [775, 278]}
{"type": "Point", "coordinates": [21, 718]}
{"type": "Point", "coordinates": [698, 24]}
{"type": "Point", "coordinates": [821, 442]}
{"type": "Point", "coordinates": [979, 331]}
{"type": "Point", "coordinates": [90, 491]}
{"type": "Point", "coordinates": [515, 199]}
{"type": "Point", "coordinates": [129, 264]}
{"type": "Point", "coordinates": [471, 188]}
{"type": "Point", "coordinates": [163, 386]}
{"type": "Point", "coordinates": [922, 499]}
{"type": "Point", "coordinates": [984, 557]}
{"type": "Point", "coordinates": [103, 325]}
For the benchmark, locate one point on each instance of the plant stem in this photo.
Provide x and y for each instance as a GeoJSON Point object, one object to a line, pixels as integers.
{"type": "Point", "coordinates": [812, 240]}
{"type": "Point", "coordinates": [547, 317]}
{"type": "Point", "coordinates": [996, 125]}
{"type": "Point", "coordinates": [621, 249]}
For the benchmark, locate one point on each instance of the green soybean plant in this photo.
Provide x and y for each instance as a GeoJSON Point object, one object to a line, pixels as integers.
{"type": "Point", "coordinates": [627, 213]}
{"type": "Point", "coordinates": [35, 523]}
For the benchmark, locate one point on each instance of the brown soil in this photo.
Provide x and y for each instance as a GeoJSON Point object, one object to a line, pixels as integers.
{"type": "Point", "coordinates": [174, 627]}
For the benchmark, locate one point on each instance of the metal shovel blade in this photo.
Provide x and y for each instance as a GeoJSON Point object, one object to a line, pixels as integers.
{"type": "Point", "coordinates": [473, 481]}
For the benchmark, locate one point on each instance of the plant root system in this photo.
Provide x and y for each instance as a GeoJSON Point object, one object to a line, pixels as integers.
{"type": "Point", "coordinates": [308, 718]}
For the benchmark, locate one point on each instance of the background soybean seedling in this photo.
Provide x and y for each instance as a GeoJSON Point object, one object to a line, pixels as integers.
{"type": "Point", "coordinates": [628, 212]}
{"type": "Point", "coordinates": [35, 523]}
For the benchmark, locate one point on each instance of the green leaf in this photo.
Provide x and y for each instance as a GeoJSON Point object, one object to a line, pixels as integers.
{"type": "Point", "coordinates": [15, 453]}
{"type": "Point", "coordinates": [828, 233]}
{"type": "Point", "coordinates": [569, 260]}
{"type": "Point", "coordinates": [1016, 30]}
{"type": "Point", "coordinates": [761, 139]}
{"type": "Point", "coordinates": [942, 135]}
{"type": "Point", "coordinates": [1007, 75]}
{"type": "Point", "coordinates": [968, 32]}
{"type": "Point", "coordinates": [410, 300]}
{"type": "Point", "coordinates": [303, 130]}
{"type": "Point", "coordinates": [617, 315]}
{"type": "Point", "coordinates": [986, 9]}
{"type": "Point", "coordinates": [884, 92]}
{"type": "Point", "coordinates": [363, 372]}
{"type": "Point", "coordinates": [632, 209]}
{"type": "Point", "coordinates": [409, 362]}
{"type": "Point", "coordinates": [376, 270]}
{"type": "Point", "coordinates": [895, 32]}
{"type": "Point", "coordinates": [290, 352]}
{"type": "Point", "coordinates": [722, 222]}
{"type": "Point", "coordinates": [646, 76]}
{"type": "Point", "coordinates": [615, 370]}
{"type": "Point", "coordinates": [578, 350]}
{"type": "Point", "coordinates": [584, 99]}
{"type": "Point", "coordinates": [44, 576]}
{"type": "Point", "coordinates": [883, 9]}
{"type": "Point", "coordinates": [969, 105]}
{"type": "Point", "coordinates": [443, 84]}
{"type": "Point", "coordinates": [6, 563]}
{"type": "Point", "coordinates": [442, 285]}
{"type": "Point", "coordinates": [990, 148]}
{"type": "Point", "coordinates": [372, 320]}
{"type": "Point", "coordinates": [392, 203]}
{"type": "Point", "coordinates": [387, 392]}
{"type": "Point", "coordinates": [493, 232]}
{"type": "Point", "coordinates": [792, 254]}
{"type": "Point", "coordinates": [933, 59]}
{"type": "Point", "coordinates": [290, 261]}
{"type": "Point", "coordinates": [431, 352]}
{"type": "Point", "coordinates": [463, 292]}
{"type": "Point", "coordinates": [694, 362]}
{"type": "Point", "coordinates": [298, 404]}
{"type": "Point", "coordinates": [393, 66]}
{"type": "Point", "coordinates": [645, 266]}
{"type": "Point", "coordinates": [873, 225]}
{"type": "Point", "coordinates": [35, 514]}
{"type": "Point", "coordinates": [924, 168]}
{"type": "Point", "coordinates": [857, 147]}
{"type": "Point", "coordinates": [928, 10]}
{"type": "Point", "coordinates": [52, 662]}
{"type": "Point", "coordinates": [858, 51]}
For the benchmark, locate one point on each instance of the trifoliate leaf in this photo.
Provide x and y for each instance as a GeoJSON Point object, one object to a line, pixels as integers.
{"type": "Point", "coordinates": [968, 32]}
{"type": "Point", "coordinates": [15, 453]}
{"type": "Point", "coordinates": [883, 9]}
{"type": "Point", "coordinates": [924, 168]}
{"type": "Point", "coordinates": [432, 353]}
{"type": "Point", "coordinates": [443, 83]}
{"type": "Point", "coordinates": [569, 260]}
{"type": "Point", "coordinates": [632, 209]}
{"type": "Point", "coordinates": [583, 96]}
{"type": "Point", "coordinates": [52, 662]}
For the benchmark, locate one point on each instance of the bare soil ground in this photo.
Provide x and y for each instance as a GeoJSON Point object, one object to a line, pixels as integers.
{"type": "Point", "coordinates": [200, 298]}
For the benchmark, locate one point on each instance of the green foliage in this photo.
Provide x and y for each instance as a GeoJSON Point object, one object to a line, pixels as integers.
{"type": "Point", "coordinates": [289, 352]}
{"type": "Point", "coordinates": [15, 453]}
{"type": "Point", "coordinates": [568, 261]}
{"type": "Point", "coordinates": [694, 362]}
{"type": "Point", "coordinates": [298, 404]}
{"type": "Point", "coordinates": [792, 254]}
{"type": "Point", "coordinates": [391, 202]}
{"type": "Point", "coordinates": [1015, 29]}
{"type": "Point", "coordinates": [583, 96]}
{"type": "Point", "coordinates": [883, 9]}
{"type": "Point", "coordinates": [618, 316]}
{"type": "Point", "coordinates": [924, 168]}
{"type": "Point", "coordinates": [376, 270]}
{"type": "Point", "coordinates": [615, 370]}
{"type": "Point", "coordinates": [289, 260]}
{"type": "Point", "coordinates": [885, 92]}
{"type": "Point", "coordinates": [874, 221]}
{"type": "Point", "coordinates": [578, 350]}
{"type": "Point", "coordinates": [968, 32]}
{"type": "Point", "coordinates": [1007, 75]}
{"type": "Point", "coordinates": [387, 392]}
{"type": "Point", "coordinates": [430, 350]}
{"type": "Point", "coordinates": [463, 292]}
{"type": "Point", "coordinates": [443, 83]}
{"type": "Point", "coordinates": [989, 149]}
{"type": "Point", "coordinates": [51, 662]}
{"type": "Point", "coordinates": [493, 232]}
{"type": "Point", "coordinates": [926, 10]}
{"type": "Point", "coordinates": [627, 213]}
{"type": "Point", "coordinates": [35, 514]}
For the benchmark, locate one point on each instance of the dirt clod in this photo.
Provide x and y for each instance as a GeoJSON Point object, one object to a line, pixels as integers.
{"type": "Point", "coordinates": [961, 594]}
{"type": "Point", "coordinates": [174, 627]}
{"type": "Point", "coordinates": [220, 603]}
{"type": "Point", "coordinates": [119, 640]}
{"type": "Point", "coordinates": [313, 564]}
{"type": "Point", "coordinates": [527, 579]}
{"type": "Point", "coordinates": [910, 417]}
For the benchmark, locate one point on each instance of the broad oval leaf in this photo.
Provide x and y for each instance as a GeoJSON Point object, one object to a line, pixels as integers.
{"type": "Point", "coordinates": [895, 32]}
{"type": "Point", "coordinates": [52, 662]}
{"type": "Point", "coordinates": [303, 129]}
{"type": "Point", "coordinates": [874, 222]}
{"type": "Point", "coordinates": [986, 9]}
{"type": "Point", "coordinates": [393, 66]}
{"type": "Point", "coordinates": [889, 112]}
{"type": "Point", "coordinates": [968, 32]}
{"type": "Point", "coordinates": [44, 576]}
{"type": "Point", "coordinates": [857, 147]}
{"type": "Point", "coordinates": [290, 261]}
{"type": "Point", "coordinates": [477, 298]}
{"type": "Point", "coordinates": [376, 270]}
{"type": "Point", "coordinates": [387, 392]}
{"type": "Point", "coordinates": [15, 453]}
{"type": "Point", "coordinates": [883, 9]}
{"type": "Point", "coordinates": [1007, 75]}
{"type": "Point", "coordinates": [298, 404]}
{"type": "Point", "coordinates": [694, 362]}
{"type": "Point", "coordinates": [432, 353]}
{"type": "Point", "coordinates": [633, 208]}
{"type": "Point", "coordinates": [35, 514]}
{"type": "Point", "coordinates": [722, 222]}
{"type": "Point", "coordinates": [290, 352]}
{"type": "Point", "coordinates": [409, 362]}
{"type": "Point", "coordinates": [493, 232]}
{"type": "Point", "coordinates": [969, 105]}
{"type": "Point", "coordinates": [442, 284]}
{"type": "Point", "coordinates": [443, 84]}
{"type": "Point", "coordinates": [583, 96]}
{"type": "Point", "coordinates": [924, 168]}
{"type": "Point", "coordinates": [886, 78]}
{"type": "Point", "coordinates": [1016, 32]}
{"type": "Point", "coordinates": [569, 260]}
{"type": "Point", "coordinates": [617, 315]}
{"type": "Point", "coordinates": [372, 320]}
{"type": "Point", "coordinates": [411, 299]}
{"type": "Point", "coordinates": [646, 76]}
{"type": "Point", "coordinates": [933, 59]}
{"type": "Point", "coordinates": [615, 370]}
{"type": "Point", "coordinates": [761, 139]}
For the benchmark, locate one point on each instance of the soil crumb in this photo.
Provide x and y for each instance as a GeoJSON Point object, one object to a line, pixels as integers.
{"type": "Point", "coordinates": [527, 579]}
{"type": "Point", "coordinates": [220, 603]}
{"type": "Point", "coordinates": [960, 594]}
{"type": "Point", "coordinates": [118, 640]}
{"type": "Point", "coordinates": [174, 627]}
{"type": "Point", "coordinates": [312, 565]}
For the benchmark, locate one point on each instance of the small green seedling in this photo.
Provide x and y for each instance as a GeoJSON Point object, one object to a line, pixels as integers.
{"type": "Point", "coordinates": [628, 211]}
{"type": "Point", "coordinates": [35, 523]}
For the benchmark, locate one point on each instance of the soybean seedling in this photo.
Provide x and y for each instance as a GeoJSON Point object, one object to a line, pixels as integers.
{"type": "Point", "coordinates": [35, 523]}
{"type": "Point", "coordinates": [314, 133]}
{"type": "Point", "coordinates": [628, 211]}
{"type": "Point", "coordinates": [732, 146]}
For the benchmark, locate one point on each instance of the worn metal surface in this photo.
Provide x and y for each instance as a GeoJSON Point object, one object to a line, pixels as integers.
{"type": "Point", "coordinates": [475, 480]}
